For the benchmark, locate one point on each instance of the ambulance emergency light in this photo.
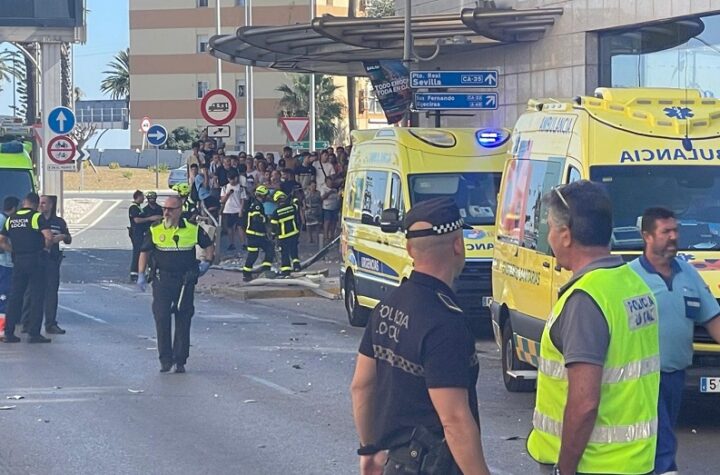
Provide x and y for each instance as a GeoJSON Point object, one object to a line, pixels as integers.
{"type": "Point", "coordinates": [491, 138]}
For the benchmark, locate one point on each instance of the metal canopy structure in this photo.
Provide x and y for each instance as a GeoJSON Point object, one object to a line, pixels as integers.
{"type": "Point", "coordinates": [339, 45]}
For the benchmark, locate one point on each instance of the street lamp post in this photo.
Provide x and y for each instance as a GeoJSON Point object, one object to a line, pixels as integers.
{"type": "Point", "coordinates": [312, 111]}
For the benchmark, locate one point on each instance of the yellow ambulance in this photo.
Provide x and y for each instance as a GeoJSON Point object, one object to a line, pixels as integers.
{"type": "Point", "coordinates": [394, 168]}
{"type": "Point", "coordinates": [649, 147]}
{"type": "Point", "coordinates": [16, 170]}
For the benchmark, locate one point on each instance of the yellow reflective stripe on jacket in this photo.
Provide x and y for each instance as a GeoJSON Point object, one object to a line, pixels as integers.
{"type": "Point", "coordinates": [601, 435]}
{"type": "Point", "coordinates": [625, 429]}
{"type": "Point", "coordinates": [632, 370]}
{"type": "Point", "coordinates": [34, 221]}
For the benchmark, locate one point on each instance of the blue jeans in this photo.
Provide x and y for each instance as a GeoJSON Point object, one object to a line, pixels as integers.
{"type": "Point", "coordinates": [5, 280]}
{"type": "Point", "coordinates": [671, 391]}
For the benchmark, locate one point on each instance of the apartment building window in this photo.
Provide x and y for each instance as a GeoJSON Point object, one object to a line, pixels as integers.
{"type": "Point", "coordinates": [202, 88]}
{"type": "Point", "coordinates": [239, 3]}
{"type": "Point", "coordinates": [202, 3]}
{"type": "Point", "coordinates": [202, 43]}
{"type": "Point", "coordinates": [240, 88]}
{"type": "Point", "coordinates": [240, 137]}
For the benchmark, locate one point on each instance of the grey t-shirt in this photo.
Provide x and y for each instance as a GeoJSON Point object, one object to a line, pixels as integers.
{"type": "Point", "coordinates": [581, 331]}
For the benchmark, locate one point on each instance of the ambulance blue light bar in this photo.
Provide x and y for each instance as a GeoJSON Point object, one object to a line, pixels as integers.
{"type": "Point", "coordinates": [491, 138]}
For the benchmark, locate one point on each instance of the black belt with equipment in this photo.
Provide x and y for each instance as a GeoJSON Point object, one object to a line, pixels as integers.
{"type": "Point", "coordinates": [420, 453]}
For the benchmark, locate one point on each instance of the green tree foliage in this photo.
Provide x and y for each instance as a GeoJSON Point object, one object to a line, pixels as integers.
{"type": "Point", "coordinates": [329, 111]}
{"type": "Point", "coordinates": [182, 138]}
{"type": "Point", "coordinates": [379, 8]}
{"type": "Point", "coordinates": [9, 67]}
{"type": "Point", "coordinates": [117, 78]}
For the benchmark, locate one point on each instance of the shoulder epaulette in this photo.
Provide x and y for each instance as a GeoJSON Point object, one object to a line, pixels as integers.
{"type": "Point", "coordinates": [449, 302]}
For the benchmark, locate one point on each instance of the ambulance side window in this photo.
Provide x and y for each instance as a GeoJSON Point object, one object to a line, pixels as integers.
{"type": "Point", "coordinates": [543, 176]}
{"type": "Point", "coordinates": [396, 200]}
{"type": "Point", "coordinates": [374, 197]}
{"type": "Point", "coordinates": [357, 181]}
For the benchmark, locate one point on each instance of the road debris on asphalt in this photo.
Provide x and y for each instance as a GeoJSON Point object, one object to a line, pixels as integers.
{"type": "Point", "coordinates": [7, 408]}
{"type": "Point", "coordinates": [16, 397]}
{"type": "Point", "coordinates": [136, 391]}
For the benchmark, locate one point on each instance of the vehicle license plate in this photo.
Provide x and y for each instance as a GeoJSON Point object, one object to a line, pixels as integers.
{"type": "Point", "coordinates": [709, 385]}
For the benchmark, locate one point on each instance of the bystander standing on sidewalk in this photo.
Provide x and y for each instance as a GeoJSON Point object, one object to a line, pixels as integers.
{"type": "Point", "coordinates": [330, 206]}
{"type": "Point", "coordinates": [233, 198]}
{"type": "Point", "coordinates": [313, 211]}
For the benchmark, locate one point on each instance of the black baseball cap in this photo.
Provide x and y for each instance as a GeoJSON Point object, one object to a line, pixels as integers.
{"type": "Point", "coordinates": [442, 213]}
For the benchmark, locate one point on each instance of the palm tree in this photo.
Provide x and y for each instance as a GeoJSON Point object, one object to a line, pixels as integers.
{"type": "Point", "coordinates": [328, 110]}
{"type": "Point", "coordinates": [8, 67]}
{"type": "Point", "coordinates": [117, 79]}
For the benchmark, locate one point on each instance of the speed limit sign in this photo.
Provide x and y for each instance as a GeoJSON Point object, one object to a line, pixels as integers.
{"type": "Point", "coordinates": [145, 124]}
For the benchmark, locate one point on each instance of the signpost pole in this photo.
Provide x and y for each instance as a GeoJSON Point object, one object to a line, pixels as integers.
{"type": "Point", "coordinates": [312, 92]}
{"type": "Point", "coordinates": [249, 92]}
{"type": "Point", "coordinates": [157, 167]}
{"type": "Point", "coordinates": [217, 32]}
{"type": "Point", "coordinates": [50, 181]}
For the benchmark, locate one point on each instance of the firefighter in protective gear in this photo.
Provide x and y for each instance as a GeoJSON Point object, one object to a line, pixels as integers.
{"type": "Point", "coordinates": [189, 207]}
{"type": "Point", "coordinates": [285, 228]}
{"type": "Point", "coordinates": [256, 231]}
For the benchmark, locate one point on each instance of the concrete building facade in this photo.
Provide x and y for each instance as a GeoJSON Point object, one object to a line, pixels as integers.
{"type": "Point", "coordinates": [594, 43]}
{"type": "Point", "coordinates": [170, 69]}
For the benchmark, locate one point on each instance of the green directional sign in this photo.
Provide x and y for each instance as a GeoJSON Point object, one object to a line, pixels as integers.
{"type": "Point", "coordinates": [305, 145]}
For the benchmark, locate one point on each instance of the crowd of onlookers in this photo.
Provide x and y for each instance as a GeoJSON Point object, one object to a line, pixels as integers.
{"type": "Point", "coordinates": [225, 183]}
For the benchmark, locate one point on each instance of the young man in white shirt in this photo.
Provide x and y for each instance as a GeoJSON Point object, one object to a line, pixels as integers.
{"type": "Point", "coordinates": [233, 197]}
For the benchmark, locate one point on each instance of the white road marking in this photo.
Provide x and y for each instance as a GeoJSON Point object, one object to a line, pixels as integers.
{"type": "Point", "coordinates": [270, 385]}
{"type": "Point", "coordinates": [319, 349]}
{"type": "Point", "coordinates": [231, 316]}
{"type": "Point", "coordinates": [117, 286]}
{"type": "Point", "coordinates": [82, 314]}
{"type": "Point", "coordinates": [100, 218]}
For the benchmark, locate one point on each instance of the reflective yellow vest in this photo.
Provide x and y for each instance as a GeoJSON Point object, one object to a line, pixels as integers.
{"type": "Point", "coordinates": [284, 222]}
{"type": "Point", "coordinates": [625, 433]}
{"type": "Point", "coordinates": [181, 238]}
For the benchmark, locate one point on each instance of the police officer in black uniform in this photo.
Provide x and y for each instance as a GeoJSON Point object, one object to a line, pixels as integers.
{"type": "Point", "coordinates": [414, 399]}
{"type": "Point", "coordinates": [26, 235]}
{"type": "Point", "coordinates": [287, 231]}
{"type": "Point", "coordinates": [256, 232]}
{"type": "Point", "coordinates": [169, 248]}
{"type": "Point", "coordinates": [151, 210]}
{"type": "Point", "coordinates": [135, 231]}
{"type": "Point", "coordinates": [53, 260]}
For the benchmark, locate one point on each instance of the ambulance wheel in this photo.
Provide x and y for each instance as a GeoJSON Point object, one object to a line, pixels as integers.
{"type": "Point", "coordinates": [511, 362]}
{"type": "Point", "coordinates": [357, 314]}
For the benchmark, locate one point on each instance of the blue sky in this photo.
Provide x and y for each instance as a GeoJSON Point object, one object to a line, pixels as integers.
{"type": "Point", "coordinates": [108, 33]}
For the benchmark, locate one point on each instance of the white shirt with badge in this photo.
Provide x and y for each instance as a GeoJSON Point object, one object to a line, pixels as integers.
{"type": "Point", "coordinates": [233, 205]}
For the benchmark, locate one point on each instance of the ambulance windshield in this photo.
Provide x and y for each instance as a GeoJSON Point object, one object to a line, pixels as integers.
{"type": "Point", "coordinates": [474, 193]}
{"type": "Point", "coordinates": [692, 192]}
{"type": "Point", "coordinates": [17, 183]}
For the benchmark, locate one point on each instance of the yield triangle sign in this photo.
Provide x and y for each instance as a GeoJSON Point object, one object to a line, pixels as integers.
{"type": "Point", "coordinates": [295, 127]}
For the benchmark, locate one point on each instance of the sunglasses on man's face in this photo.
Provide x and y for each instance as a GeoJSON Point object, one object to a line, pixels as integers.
{"type": "Point", "coordinates": [170, 208]}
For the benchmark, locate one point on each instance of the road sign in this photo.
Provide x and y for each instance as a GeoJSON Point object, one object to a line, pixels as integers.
{"type": "Point", "coordinates": [218, 131]}
{"type": "Point", "coordinates": [218, 107]}
{"type": "Point", "coordinates": [319, 144]}
{"type": "Point", "coordinates": [145, 124]}
{"type": "Point", "coordinates": [425, 79]}
{"type": "Point", "coordinates": [157, 135]}
{"type": "Point", "coordinates": [455, 100]}
{"type": "Point", "coordinates": [61, 120]}
{"type": "Point", "coordinates": [295, 127]}
{"type": "Point", "coordinates": [61, 152]}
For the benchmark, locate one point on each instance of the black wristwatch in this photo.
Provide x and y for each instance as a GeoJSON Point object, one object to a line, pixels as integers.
{"type": "Point", "coordinates": [367, 450]}
{"type": "Point", "coordinates": [556, 470]}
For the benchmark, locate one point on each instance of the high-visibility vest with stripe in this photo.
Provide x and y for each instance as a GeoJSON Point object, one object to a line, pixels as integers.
{"type": "Point", "coordinates": [175, 246]}
{"type": "Point", "coordinates": [284, 222]}
{"type": "Point", "coordinates": [255, 219]}
{"type": "Point", "coordinates": [625, 433]}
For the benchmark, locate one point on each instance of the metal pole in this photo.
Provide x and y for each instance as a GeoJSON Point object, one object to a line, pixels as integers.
{"type": "Point", "coordinates": [407, 37]}
{"type": "Point", "coordinates": [249, 92]}
{"type": "Point", "coordinates": [217, 32]}
{"type": "Point", "coordinates": [312, 111]}
{"type": "Point", "coordinates": [157, 167]}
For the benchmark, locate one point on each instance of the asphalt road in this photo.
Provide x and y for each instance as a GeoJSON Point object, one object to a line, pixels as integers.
{"type": "Point", "coordinates": [266, 390]}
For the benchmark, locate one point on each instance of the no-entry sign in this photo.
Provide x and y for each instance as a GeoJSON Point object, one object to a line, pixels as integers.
{"type": "Point", "coordinates": [218, 107]}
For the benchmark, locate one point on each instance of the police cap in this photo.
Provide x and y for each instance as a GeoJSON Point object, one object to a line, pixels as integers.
{"type": "Point", "coordinates": [442, 214]}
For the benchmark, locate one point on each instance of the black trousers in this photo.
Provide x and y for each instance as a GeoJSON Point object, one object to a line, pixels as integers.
{"type": "Point", "coordinates": [254, 245]}
{"type": "Point", "coordinates": [288, 254]}
{"type": "Point", "coordinates": [28, 276]}
{"type": "Point", "coordinates": [166, 296]}
{"type": "Point", "coordinates": [52, 285]}
{"type": "Point", "coordinates": [137, 241]}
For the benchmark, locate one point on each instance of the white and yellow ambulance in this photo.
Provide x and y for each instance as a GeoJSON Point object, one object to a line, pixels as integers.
{"type": "Point", "coordinates": [394, 168]}
{"type": "Point", "coordinates": [649, 147]}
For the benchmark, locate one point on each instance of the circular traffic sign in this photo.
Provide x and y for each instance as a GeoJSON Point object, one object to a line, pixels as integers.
{"type": "Point", "coordinates": [157, 135]}
{"type": "Point", "coordinates": [218, 107]}
{"type": "Point", "coordinates": [61, 149]}
{"type": "Point", "coordinates": [145, 124]}
{"type": "Point", "coordinates": [61, 120]}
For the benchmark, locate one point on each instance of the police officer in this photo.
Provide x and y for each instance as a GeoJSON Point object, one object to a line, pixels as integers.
{"type": "Point", "coordinates": [152, 212]}
{"type": "Point", "coordinates": [413, 392]}
{"type": "Point", "coordinates": [10, 205]}
{"type": "Point", "coordinates": [598, 373]}
{"type": "Point", "coordinates": [256, 232]}
{"type": "Point", "coordinates": [26, 235]}
{"type": "Point", "coordinates": [174, 271]}
{"type": "Point", "coordinates": [135, 231]}
{"type": "Point", "coordinates": [53, 260]}
{"type": "Point", "coordinates": [286, 230]}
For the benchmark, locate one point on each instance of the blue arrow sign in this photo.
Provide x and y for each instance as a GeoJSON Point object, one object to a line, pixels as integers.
{"type": "Point", "coordinates": [61, 120]}
{"type": "Point", "coordinates": [455, 100]}
{"type": "Point", "coordinates": [157, 135]}
{"type": "Point", "coordinates": [423, 79]}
